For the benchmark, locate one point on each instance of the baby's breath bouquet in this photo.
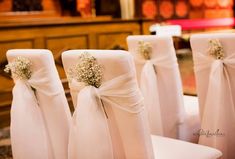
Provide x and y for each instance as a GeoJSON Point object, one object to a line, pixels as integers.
{"type": "Point", "coordinates": [20, 68]}
{"type": "Point", "coordinates": [87, 70]}
{"type": "Point", "coordinates": [215, 49]}
{"type": "Point", "coordinates": [145, 49]}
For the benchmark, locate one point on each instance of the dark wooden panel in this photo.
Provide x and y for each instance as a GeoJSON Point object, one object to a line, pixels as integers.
{"type": "Point", "coordinates": [5, 117]}
{"type": "Point", "coordinates": [113, 40]}
{"type": "Point", "coordinates": [14, 44]}
{"type": "Point", "coordinates": [58, 44]}
{"type": "Point", "coordinates": [61, 43]}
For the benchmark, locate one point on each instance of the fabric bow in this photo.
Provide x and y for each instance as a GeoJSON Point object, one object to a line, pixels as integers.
{"type": "Point", "coordinates": [29, 136]}
{"type": "Point", "coordinates": [89, 133]}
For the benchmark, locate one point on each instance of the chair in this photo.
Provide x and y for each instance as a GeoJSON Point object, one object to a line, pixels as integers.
{"type": "Point", "coordinates": [160, 83]}
{"type": "Point", "coordinates": [110, 121]}
{"type": "Point", "coordinates": [40, 115]}
{"type": "Point", "coordinates": [214, 67]}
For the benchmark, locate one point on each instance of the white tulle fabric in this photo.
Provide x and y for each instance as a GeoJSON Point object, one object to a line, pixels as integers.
{"type": "Point", "coordinates": [125, 133]}
{"type": "Point", "coordinates": [29, 133]}
{"type": "Point", "coordinates": [218, 113]}
{"type": "Point", "coordinates": [160, 84]}
{"type": "Point", "coordinates": [149, 88]}
{"type": "Point", "coordinates": [39, 123]}
{"type": "Point", "coordinates": [89, 134]}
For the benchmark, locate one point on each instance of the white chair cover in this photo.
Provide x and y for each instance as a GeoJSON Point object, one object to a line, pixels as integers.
{"type": "Point", "coordinates": [162, 89]}
{"type": "Point", "coordinates": [125, 133]}
{"type": "Point", "coordinates": [39, 124]}
{"type": "Point", "coordinates": [192, 122]}
{"type": "Point", "coordinates": [216, 90]}
{"type": "Point", "coordinates": [167, 148]}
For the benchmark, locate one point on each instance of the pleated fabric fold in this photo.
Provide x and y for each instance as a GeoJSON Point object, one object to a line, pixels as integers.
{"type": "Point", "coordinates": [149, 82]}
{"type": "Point", "coordinates": [89, 132]}
{"type": "Point", "coordinates": [218, 112]}
{"type": "Point", "coordinates": [29, 134]}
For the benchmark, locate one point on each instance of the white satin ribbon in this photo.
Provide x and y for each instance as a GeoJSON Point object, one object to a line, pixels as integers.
{"type": "Point", "coordinates": [29, 136]}
{"type": "Point", "coordinates": [218, 114]}
{"type": "Point", "coordinates": [89, 133]}
{"type": "Point", "coordinates": [150, 91]}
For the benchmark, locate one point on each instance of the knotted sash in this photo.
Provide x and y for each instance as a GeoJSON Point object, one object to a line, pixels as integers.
{"type": "Point", "coordinates": [89, 134]}
{"type": "Point", "coordinates": [218, 112]}
{"type": "Point", "coordinates": [150, 89]}
{"type": "Point", "coordinates": [29, 134]}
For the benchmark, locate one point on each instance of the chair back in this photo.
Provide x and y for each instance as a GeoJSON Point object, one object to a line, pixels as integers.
{"type": "Point", "coordinates": [122, 106]}
{"type": "Point", "coordinates": [160, 82]}
{"type": "Point", "coordinates": [40, 115]}
{"type": "Point", "coordinates": [214, 66]}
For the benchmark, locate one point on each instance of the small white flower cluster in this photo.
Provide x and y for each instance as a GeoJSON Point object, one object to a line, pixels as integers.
{"type": "Point", "coordinates": [87, 70]}
{"type": "Point", "coordinates": [145, 49]}
{"type": "Point", "coordinates": [216, 49]}
{"type": "Point", "coordinates": [20, 68]}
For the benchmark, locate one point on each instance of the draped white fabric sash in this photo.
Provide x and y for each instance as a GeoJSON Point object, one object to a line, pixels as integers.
{"type": "Point", "coordinates": [89, 133]}
{"type": "Point", "coordinates": [218, 114]}
{"type": "Point", "coordinates": [29, 136]}
{"type": "Point", "coordinates": [149, 88]}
